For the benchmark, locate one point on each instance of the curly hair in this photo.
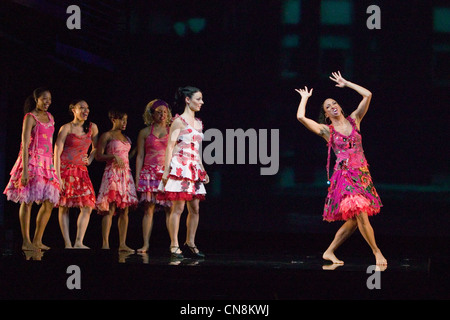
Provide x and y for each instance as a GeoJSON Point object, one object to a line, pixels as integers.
{"type": "Point", "coordinates": [150, 109]}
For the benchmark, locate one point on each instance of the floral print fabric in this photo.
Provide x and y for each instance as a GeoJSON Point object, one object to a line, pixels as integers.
{"type": "Point", "coordinates": [78, 190]}
{"type": "Point", "coordinates": [152, 169]}
{"type": "Point", "coordinates": [42, 183]}
{"type": "Point", "coordinates": [186, 176]}
{"type": "Point", "coordinates": [351, 189]}
{"type": "Point", "coordinates": [117, 184]}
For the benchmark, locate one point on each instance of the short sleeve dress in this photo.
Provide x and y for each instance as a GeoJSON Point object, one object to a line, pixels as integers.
{"type": "Point", "coordinates": [43, 183]}
{"type": "Point", "coordinates": [351, 189]}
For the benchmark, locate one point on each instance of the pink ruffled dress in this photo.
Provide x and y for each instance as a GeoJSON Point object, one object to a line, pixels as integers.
{"type": "Point", "coordinates": [153, 168]}
{"type": "Point", "coordinates": [43, 183]}
{"type": "Point", "coordinates": [351, 189]}
{"type": "Point", "coordinates": [117, 184]}
{"type": "Point", "coordinates": [78, 190]}
{"type": "Point", "coordinates": [186, 176]}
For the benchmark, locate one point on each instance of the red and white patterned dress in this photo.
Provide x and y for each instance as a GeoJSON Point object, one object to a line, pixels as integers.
{"type": "Point", "coordinates": [186, 176]}
{"type": "Point", "coordinates": [117, 184]}
{"type": "Point", "coordinates": [78, 190]}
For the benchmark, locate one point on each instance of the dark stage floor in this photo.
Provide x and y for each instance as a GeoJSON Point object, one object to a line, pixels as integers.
{"type": "Point", "coordinates": [290, 269]}
{"type": "Point", "coordinates": [252, 260]}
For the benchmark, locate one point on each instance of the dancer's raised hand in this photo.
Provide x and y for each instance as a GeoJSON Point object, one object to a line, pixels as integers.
{"type": "Point", "coordinates": [304, 92]}
{"type": "Point", "coordinates": [340, 81]}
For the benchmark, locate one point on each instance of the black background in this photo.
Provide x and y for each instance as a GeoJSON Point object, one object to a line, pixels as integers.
{"type": "Point", "coordinates": [237, 61]}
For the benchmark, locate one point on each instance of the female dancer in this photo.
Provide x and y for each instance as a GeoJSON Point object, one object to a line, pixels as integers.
{"type": "Point", "coordinates": [351, 195]}
{"type": "Point", "coordinates": [33, 177]}
{"type": "Point", "coordinates": [71, 158]}
{"type": "Point", "coordinates": [151, 148]}
{"type": "Point", "coordinates": [117, 190]}
{"type": "Point", "coordinates": [184, 174]}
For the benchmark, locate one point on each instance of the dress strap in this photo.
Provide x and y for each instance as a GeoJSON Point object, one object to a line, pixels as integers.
{"type": "Point", "coordinates": [177, 116]}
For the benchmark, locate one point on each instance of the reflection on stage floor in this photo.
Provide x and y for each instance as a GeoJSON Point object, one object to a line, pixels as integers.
{"type": "Point", "coordinates": [109, 274]}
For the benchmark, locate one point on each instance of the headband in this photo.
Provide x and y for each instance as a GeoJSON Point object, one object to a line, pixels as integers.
{"type": "Point", "coordinates": [159, 103]}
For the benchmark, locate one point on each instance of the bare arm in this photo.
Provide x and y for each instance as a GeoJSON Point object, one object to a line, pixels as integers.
{"type": "Point", "coordinates": [100, 154]}
{"type": "Point", "coordinates": [59, 147]}
{"type": "Point", "coordinates": [363, 106]}
{"type": "Point", "coordinates": [317, 128]}
{"type": "Point", "coordinates": [28, 125]}
{"type": "Point", "coordinates": [94, 139]}
{"type": "Point", "coordinates": [201, 160]}
{"type": "Point", "coordinates": [140, 152]}
{"type": "Point", "coordinates": [174, 131]}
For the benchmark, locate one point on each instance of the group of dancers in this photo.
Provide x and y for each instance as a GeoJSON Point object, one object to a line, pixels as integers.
{"type": "Point", "coordinates": [169, 170]}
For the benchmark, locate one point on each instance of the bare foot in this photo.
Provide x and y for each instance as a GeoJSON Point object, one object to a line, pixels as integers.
{"type": "Point", "coordinates": [331, 266]}
{"type": "Point", "coordinates": [125, 248]}
{"type": "Point", "coordinates": [80, 246]}
{"type": "Point", "coordinates": [143, 249]}
{"type": "Point", "coordinates": [380, 259]}
{"type": "Point", "coordinates": [28, 246]}
{"type": "Point", "coordinates": [41, 246]}
{"type": "Point", "coordinates": [331, 257]}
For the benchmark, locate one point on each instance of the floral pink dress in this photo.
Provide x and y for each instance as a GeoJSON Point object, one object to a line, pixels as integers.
{"type": "Point", "coordinates": [78, 190]}
{"type": "Point", "coordinates": [186, 176]}
{"type": "Point", "coordinates": [152, 168]}
{"type": "Point", "coordinates": [117, 184]}
{"type": "Point", "coordinates": [351, 188]}
{"type": "Point", "coordinates": [43, 183]}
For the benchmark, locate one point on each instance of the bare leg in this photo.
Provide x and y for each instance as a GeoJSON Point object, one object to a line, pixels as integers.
{"type": "Point", "coordinates": [345, 231]}
{"type": "Point", "coordinates": [63, 218]}
{"type": "Point", "coordinates": [167, 210]}
{"type": "Point", "coordinates": [147, 225]}
{"type": "Point", "coordinates": [82, 224]}
{"type": "Point", "coordinates": [24, 218]}
{"type": "Point", "coordinates": [174, 225]}
{"type": "Point", "coordinates": [367, 232]}
{"type": "Point", "coordinates": [41, 223]}
{"type": "Point", "coordinates": [106, 226]}
{"type": "Point", "coordinates": [192, 221]}
{"type": "Point", "coordinates": [122, 224]}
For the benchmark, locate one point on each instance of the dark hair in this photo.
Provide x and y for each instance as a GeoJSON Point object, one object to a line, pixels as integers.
{"type": "Point", "coordinates": [322, 118]}
{"type": "Point", "coordinates": [116, 114]}
{"type": "Point", "coordinates": [30, 102]}
{"type": "Point", "coordinates": [72, 105]}
{"type": "Point", "coordinates": [182, 93]}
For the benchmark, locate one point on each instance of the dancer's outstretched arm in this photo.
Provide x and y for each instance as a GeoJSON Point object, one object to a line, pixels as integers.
{"type": "Point", "coordinates": [319, 129]}
{"type": "Point", "coordinates": [363, 106]}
